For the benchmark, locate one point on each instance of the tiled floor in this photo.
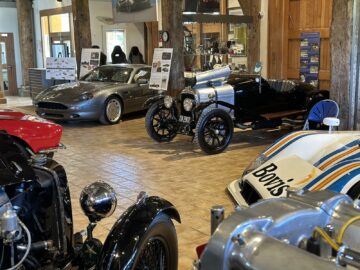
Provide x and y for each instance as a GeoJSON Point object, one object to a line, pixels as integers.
{"type": "Point", "coordinates": [124, 156]}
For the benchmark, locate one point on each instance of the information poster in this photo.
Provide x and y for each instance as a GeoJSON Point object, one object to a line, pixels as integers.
{"type": "Point", "coordinates": [160, 70]}
{"type": "Point", "coordinates": [310, 58]}
{"type": "Point", "coordinates": [2, 88]}
{"type": "Point", "coordinates": [90, 59]}
{"type": "Point", "coordinates": [61, 68]}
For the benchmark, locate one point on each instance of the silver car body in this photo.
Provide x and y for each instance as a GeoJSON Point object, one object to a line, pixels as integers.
{"type": "Point", "coordinates": [276, 234]}
{"type": "Point", "coordinates": [63, 102]}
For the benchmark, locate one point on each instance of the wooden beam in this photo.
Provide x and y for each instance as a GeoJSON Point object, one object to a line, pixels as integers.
{"type": "Point", "coordinates": [26, 36]}
{"type": "Point", "coordinates": [340, 42]}
{"type": "Point", "coordinates": [82, 33]}
{"type": "Point", "coordinates": [172, 22]}
{"type": "Point", "coordinates": [252, 8]}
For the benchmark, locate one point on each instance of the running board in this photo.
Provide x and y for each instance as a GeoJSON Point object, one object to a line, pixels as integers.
{"type": "Point", "coordinates": [277, 115]}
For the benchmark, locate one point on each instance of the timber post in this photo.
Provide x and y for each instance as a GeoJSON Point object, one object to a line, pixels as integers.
{"type": "Point", "coordinates": [172, 22]}
{"type": "Point", "coordinates": [82, 32]}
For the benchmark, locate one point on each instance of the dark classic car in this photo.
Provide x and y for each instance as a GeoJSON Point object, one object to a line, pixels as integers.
{"type": "Point", "coordinates": [217, 101]}
{"type": "Point", "coordinates": [36, 223]}
{"type": "Point", "coordinates": [132, 5]}
{"type": "Point", "coordinates": [104, 94]}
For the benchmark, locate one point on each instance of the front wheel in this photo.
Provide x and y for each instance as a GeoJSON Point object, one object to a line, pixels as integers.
{"type": "Point", "coordinates": [112, 111]}
{"type": "Point", "coordinates": [214, 131]}
{"type": "Point", "coordinates": [158, 248]}
{"type": "Point", "coordinates": [160, 123]}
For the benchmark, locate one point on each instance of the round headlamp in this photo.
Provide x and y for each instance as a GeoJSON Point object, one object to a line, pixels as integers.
{"type": "Point", "coordinates": [168, 101]}
{"type": "Point", "coordinates": [188, 104]}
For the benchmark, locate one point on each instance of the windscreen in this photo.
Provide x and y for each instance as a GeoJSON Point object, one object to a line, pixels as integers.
{"type": "Point", "coordinates": [108, 74]}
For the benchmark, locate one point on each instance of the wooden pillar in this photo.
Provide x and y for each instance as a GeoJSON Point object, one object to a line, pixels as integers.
{"type": "Point", "coordinates": [172, 22]}
{"type": "Point", "coordinates": [82, 32]}
{"type": "Point", "coordinates": [151, 40]}
{"type": "Point", "coordinates": [26, 36]}
{"type": "Point", "coordinates": [2, 93]}
{"type": "Point", "coordinates": [252, 8]}
{"type": "Point", "coordinates": [344, 68]}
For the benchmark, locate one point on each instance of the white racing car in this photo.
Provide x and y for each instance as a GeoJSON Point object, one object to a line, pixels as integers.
{"type": "Point", "coordinates": [308, 160]}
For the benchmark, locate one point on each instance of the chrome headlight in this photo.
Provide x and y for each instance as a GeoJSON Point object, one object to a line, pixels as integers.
{"type": "Point", "coordinates": [260, 160]}
{"type": "Point", "coordinates": [188, 104]}
{"type": "Point", "coordinates": [86, 96]}
{"type": "Point", "coordinates": [168, 101]}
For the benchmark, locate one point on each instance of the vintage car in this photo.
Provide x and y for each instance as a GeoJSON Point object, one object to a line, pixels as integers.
{"type": "Point", "coordinates": [218, 101]}
{"type": "Point", "coordinates": [313, 160]}
{"type": "Point", "coordinates": [34, 135]}
{"type": "Point", "coordinates": [132, 5]}
{"type": "Point", "coordinates": [104, 94]}
{"type": "Point", "coordinates": [36, 223]}
{"type": "Point", "coordinates": [306, 230]}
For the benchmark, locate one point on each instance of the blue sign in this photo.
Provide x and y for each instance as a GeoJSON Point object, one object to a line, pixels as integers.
{"type": "Point", "coordinates": [310, 58]}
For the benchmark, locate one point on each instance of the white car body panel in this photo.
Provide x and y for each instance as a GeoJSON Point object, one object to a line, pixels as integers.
{"type": "Point", "coordinates": [305, 159]}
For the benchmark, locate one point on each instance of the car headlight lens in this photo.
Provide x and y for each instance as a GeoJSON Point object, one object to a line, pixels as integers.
{"type": "Point", "coordinates": [260, 160]}
{"type": "Point", "coordinates": [168, 101]}
{"type": "Point", "coordinates": [188, 104]}
{"type": "Point", "coordinates": [86, 96]}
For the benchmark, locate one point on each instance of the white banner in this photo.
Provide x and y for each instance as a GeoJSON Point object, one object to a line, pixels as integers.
{"type": "Point", "coordinates": [90, 59]}
{"type": "Point", "coordinates": [160, 70]}
{"type": "Point", "coordinates": [63, 68]}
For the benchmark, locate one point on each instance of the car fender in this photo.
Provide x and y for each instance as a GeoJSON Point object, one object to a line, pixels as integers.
{"type": "Point", "coordinates": [149, 102]}
{"type": "Point", "coordinates": [125, 237]}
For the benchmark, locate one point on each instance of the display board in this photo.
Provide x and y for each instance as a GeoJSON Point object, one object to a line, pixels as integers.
{"type": "Point", "coordinates": [129, 11]}
{"type": "Point", "coordinates": [160, 70]}
{"type": "Point", "coordinates": [61, 68]}
{"type": "Point", "coordinates": [310, 58]}
{"type": "Point", "coordinates": [90, 59]}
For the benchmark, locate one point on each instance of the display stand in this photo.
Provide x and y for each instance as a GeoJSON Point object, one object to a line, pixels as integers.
{"type": "Point", "coordinates": [2, 93]}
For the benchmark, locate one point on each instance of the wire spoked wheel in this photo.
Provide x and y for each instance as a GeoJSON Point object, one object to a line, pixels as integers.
{"type": "Point", "coordinates": [154, 256]}
{"type": "Point", "coordinates": [214, 131]}
{"type": "Point", "coordinates": [158, 247]}
{"type": "Point", "coordinates": [160, 123]}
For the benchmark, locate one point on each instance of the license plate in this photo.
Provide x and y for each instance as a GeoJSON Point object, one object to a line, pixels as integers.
{"type": "Point", "coordinates": [184, 119]}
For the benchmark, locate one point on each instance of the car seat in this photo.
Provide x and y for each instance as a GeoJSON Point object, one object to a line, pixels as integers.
{"type": "Point", "coordinates": [282, 85]}
{"type": "Point", "coordinates": [321, 110]}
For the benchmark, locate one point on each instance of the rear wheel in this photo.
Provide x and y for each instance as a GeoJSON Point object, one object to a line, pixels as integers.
{"type": "Point", "coordinates": [214, 130]}
{"type": "Point", "coordinates": [112, 111]}
{"type": "Point", "coordinates": [160, 123]}
{"type": "Point", "coordinates": [158, 248]}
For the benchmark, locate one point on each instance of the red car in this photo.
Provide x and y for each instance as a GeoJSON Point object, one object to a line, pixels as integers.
{"type": "Point", "coordinates": [33, 134]}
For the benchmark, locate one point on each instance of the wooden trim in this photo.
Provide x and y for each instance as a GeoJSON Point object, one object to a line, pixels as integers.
{"type": "Point", "coordinates": [55, 11]}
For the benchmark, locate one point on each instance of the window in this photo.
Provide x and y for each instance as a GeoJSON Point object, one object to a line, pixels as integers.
{"type": "Point", "coordinates": [108, 74]}
{"type": "Point", "coordinates": [114, 38]}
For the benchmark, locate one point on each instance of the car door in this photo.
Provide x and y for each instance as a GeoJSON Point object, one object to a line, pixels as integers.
{"type": "Point", "coordinates": [141, 83]}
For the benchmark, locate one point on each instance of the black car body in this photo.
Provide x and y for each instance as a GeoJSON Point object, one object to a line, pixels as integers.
{"type": "Point", "coordinates": [216, 101]}
{"type": "Point", "coordinates": [37, 224]}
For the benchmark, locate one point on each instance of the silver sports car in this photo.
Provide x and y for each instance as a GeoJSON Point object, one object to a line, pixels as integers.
{"type": "Point", "coordinates": [104, 94]}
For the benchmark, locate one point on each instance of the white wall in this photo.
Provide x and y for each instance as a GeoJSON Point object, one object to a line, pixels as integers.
{"type": "Point", "coordinates": [134, 31]}
{"type": "Point", "coordinates": [9, 24]}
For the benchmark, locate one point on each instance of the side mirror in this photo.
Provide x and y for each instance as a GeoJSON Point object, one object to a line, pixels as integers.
{"type": "Point", "coordinates": [142, 81]}
{"type": "Point", "coordinates": [331, 122]}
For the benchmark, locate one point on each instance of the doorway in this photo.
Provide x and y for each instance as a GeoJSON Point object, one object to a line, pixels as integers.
{"type": "Point", "coordinates": [8, 64]}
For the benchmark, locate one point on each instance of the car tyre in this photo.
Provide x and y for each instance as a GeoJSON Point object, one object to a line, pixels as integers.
{"type": "Point", "coordinates": [354, 192]}
{"type": "Point", "coordinates": [160, 123]}
{"type": "Point", "coordinates": [158, 246]}
{"type": "Point", "coordinates": [112, 111]}
{"type": "Point", "coordinates": [214, 131]}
